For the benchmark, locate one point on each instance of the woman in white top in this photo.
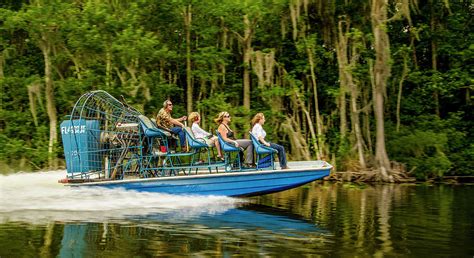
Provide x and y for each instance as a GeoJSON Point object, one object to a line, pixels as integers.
{"type": "Point", "coordinates": [200, 133]}
{"type": "Point", "coordinates": [257, 130]}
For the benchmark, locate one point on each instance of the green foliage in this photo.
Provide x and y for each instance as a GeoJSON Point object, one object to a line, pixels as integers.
{"type": "Point", "coordinates": [422, 151]}
{"type": "Point", "coordinates": [215, 104]}
{"type": "Point", "coordinates": [435, 146]}
{"type": "Point", "coordinates": [138, 49]}
{"type": "Point", "coordinates": [19, 142]}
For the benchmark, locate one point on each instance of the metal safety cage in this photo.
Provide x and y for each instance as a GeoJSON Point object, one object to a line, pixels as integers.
{"type": "Point", "coordinates": [102, 138]}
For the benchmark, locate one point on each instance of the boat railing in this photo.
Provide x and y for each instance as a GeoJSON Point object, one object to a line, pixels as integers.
{"type": "Point", "coordinates": [160, 159]}
{"type": "Point", "coordinates": [105, 139]}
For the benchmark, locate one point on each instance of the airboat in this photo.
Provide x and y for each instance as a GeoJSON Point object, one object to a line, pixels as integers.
{"type": "Point", "coordinates": [108, 143]}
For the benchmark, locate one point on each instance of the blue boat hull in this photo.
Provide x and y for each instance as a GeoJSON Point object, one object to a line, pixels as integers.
{"type": "Point", "coordinates": [222, 184]}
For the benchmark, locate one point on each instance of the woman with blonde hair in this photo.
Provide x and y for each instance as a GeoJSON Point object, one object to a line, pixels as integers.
{"type": "Point", "coordinates": [199, 133]}
{"type": "Point", "coordinates": [223, 120]}
{"type": "Point", "coordinates": [257, 130]}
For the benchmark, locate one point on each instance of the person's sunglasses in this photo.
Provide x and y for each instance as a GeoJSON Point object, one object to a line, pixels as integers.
{"type": "Point", "coordinates": [170, 104]}
{"type": "Point", "coordinates": [227, 116]}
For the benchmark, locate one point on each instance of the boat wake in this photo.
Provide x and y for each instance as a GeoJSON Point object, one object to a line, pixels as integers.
{"type": "Point", "coordinates": [38, 198]}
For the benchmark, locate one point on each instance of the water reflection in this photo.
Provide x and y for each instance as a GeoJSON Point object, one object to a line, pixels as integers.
{"type": "Point", "coordinates": [246, 217]}
{"type": "Point", "coordinates": [41, 219]}
{"type": "Point", "coordinates": [387, 220]}
{"type": "Point", "coordinates": [232, 228]}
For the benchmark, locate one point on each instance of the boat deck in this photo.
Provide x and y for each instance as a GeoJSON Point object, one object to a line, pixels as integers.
{"type": "Point", "coordinates": [204, 170]}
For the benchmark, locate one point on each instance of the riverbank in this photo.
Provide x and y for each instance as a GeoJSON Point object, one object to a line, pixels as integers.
{"type": "Point", "coordinates": [373, 176]}
{"type": "Point", "coordinates": [367, 176]}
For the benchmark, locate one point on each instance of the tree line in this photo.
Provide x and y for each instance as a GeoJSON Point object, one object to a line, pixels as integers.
{"type": "Point", "coordinates": [381, 85]}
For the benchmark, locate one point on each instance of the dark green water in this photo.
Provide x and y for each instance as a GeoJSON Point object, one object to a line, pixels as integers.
{"type": "Point", "coordinates": [41, 219]}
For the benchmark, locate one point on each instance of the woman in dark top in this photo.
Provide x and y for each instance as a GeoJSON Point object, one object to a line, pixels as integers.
{"type": "Point", "coordinates": [223, 120]}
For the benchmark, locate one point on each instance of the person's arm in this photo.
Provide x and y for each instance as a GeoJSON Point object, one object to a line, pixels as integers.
{"type": "Point", "coordinates": [178, 121]}
{"type": "Point", "coordinates": [262, 140]}
{"type": "Point", "coordinates": [223, 131]}
{"type": "Point", "coordinates": [164, 117]}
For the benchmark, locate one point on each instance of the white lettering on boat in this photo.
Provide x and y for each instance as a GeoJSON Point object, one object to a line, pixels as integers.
{"type": "Point", "coordinates": [76, 129]}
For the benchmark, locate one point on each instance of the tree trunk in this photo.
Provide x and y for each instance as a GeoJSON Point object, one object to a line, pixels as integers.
{"type": "Point", "coordinates": [34, 95]}
{"type": "Point", "coordinates": [77, 65]}
{"type": "Point", "coordinates": [247, 47]}
{"type": "Point", "coordinates": [356, 125]}
{"type": "Point", "coordinates": [2, 62]}
{"type": "Point", "coordinates": [108, 68]}
{"type": "Point", "coordinates": [413, 36]}
{"type": "Point", "coordinates": [299, 149]}
{"type": "Point", "coordinates": [434, 57]}
{"type": "Point", "coordinates": [400, 88]}
{"type": "Point", "coordinates": [162, 70]}
{"type": "Point", "coordinates": [366, 118]}
{"type": "Point", "coordinates": [342, 112]}
{"type": "Point", "coordinates": [355, 92]}
{"type": "Point", "coordinates": [345, 62]}
{"type": "Point", "coordinates": [319, 124]}
{"type": "Point", "coordinates": [380, 73]}
{"type": "Point", "coordinates": [50, 102]}
{"type": "Point", "coordinates": [215, 80]}
{"type": "Point", "coordinates": [300, 104]}
{"type": "Point", "coordinates": [341, 52]}
{"type": "Point", "coordinates": [189, 87]}
{"type": "Point", "coordinates": [294, 15]}
{"type": "Point", "coordinates": [223, 46]}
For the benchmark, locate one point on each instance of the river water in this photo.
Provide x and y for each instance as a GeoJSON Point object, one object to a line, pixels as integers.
{"type": "Point", "coordinates": [41, 218]}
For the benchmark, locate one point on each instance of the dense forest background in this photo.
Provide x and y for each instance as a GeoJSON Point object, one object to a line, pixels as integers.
{"type": "Point", "coordinates": [379, 85]}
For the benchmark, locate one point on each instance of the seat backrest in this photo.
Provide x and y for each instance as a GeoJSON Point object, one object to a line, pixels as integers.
{"type": "Point", "coordinates": [147, 124]}
{"type": "Point", "coordinates": [192, 141]}
{"type": "Point", "coordinates": [190, 132]}
{"type": "Point", "coordinates": [259, 147]}
{"type": "Point", "coordinates": [225, 146]}
{"type": "Point", "coordinates": [254, 139]}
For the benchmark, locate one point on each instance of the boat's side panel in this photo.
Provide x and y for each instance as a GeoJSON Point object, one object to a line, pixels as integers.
{"type": "Point", "coordinates": [237, 184]}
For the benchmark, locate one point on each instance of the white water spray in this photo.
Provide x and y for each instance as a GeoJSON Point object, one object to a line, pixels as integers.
{"type": "Point", "coordinates": [37, 197]}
